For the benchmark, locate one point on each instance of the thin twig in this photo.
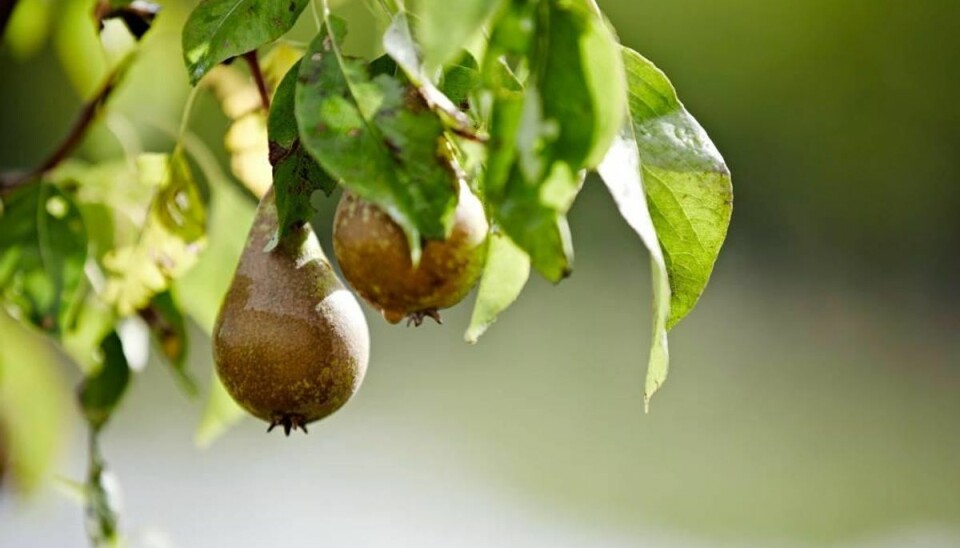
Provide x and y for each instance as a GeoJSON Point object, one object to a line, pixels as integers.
{"type": "Point", "coordinates": [88, 114]}
{"type": "Point", "coordinates": [251, 58]}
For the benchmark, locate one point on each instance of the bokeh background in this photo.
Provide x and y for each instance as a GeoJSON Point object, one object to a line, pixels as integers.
{"type": "Point", "coordinates": [814, 397]}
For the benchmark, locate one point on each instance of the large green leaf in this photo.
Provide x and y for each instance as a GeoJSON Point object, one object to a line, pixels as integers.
{"type": "Point", "coordinates": [542, 141]}
{"type": "Point", "coordinates": [621, 172]}
{"type": "Point", "coordinates": [32, 406]}
{"type": "Point", "coordinates": [220, 29]}
{"type": "Point", "coordinates": [581, 80]}
{"type": "Point", "coordinates": [399, 44]}
{"type": "Point", "coordinates": [688, 185]}
{"type": "Point", "coordinates": [376, 136]}
{"type": "Point", "coordinates": [101, 392]}
{"type": "Point", "coordinates": [173, 235]}
{"type": "Point", "coordinates": [296, 175]}
{"type": "Point", "coordinates": [504, 277]}
{"type": "Point", "coordinates": [43, 246]}
{"type": "Point", "coordinates": [443, 28]}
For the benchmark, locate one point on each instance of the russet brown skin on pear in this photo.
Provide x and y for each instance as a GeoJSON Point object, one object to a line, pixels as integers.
{"type": "Point", "coordinates": [374, 256]}
{"type": "Point", "coordinates": [291, 344]}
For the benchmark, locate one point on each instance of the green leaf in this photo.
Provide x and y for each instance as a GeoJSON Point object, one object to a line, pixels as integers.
{"type": "Point", "coordinates": [220, 29]}
{"type": "Point", "coordinates": [621, 172]}
{"type": "Point", "coordinates": [78, 46]}
{"type": "Point", "coordinates": [296, 175]}
{"type": "Point", "coordinates": [687, 183]}
{"type": "Point", "coordinates": [168, 327]}
{"type": "Point", "coordinates": [443, 28]}
{"type": "Point", "coordinates": [27, 28]}
{"type": "Point", "coordinates": [504, 277]}
{"type": "Point", "coordinates": [543, 140]}
{"type": "Point", "coordinates": [101, 392]}
{"type": "Point", "coordinates": [31, 403]}
{"type": "Point", "coordinates": [460, 79]}
{"type": "Point", "coordinates": [399, 45]}
{"type": "Point", "coordinates": [377, 137]}
{"type": "Point", "coordinates": [581, 81]}
{"type": "Point", "coordinates": [43, 246]}
{"type": "Point", "coordinates": [169, 242]}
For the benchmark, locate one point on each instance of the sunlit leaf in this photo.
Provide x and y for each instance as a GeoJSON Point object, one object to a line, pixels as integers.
{"type": "Point", "coordinates": [43, 245]}
{"type": "Point", "coordinates": [113, 199]}
{"type": "Point", "coordinates": [688, 185]}
{"type": "Point", "coordinates": [543, 139]}
{"type": "Point", "coordinates": [443, 28]}
{"type": "Point", "coordinates": [32, 403]}
{"type": "Point", "coordinates": [377, 137]}
{"type": "Point", "coordinates": [168, 244]}
{"type": "Point", "coordinates": [101, 392]}
{"type": "Point", "coordinates": [399, 44]}
{"type": "Point", "coordinates": [220, 29]}
{"type": "Point", "coordinates": [621, 172]}
{"type": "Point", "coordinates": [504, 277]}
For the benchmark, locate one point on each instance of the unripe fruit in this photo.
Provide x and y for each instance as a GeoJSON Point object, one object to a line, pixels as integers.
{"type": "Point", "coordinates": [291, 344]}
{"type": "Point", "coordinates": [374, 257]}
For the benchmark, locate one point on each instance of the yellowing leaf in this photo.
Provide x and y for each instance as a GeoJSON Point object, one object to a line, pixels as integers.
{"type": "Point", "coordinates": [168, 245]}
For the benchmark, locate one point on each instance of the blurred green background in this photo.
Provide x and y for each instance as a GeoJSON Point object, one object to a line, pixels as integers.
{"type": "Point", "coordinates": [814, 397]}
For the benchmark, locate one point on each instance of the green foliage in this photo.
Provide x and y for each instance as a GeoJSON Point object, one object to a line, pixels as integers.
{"type": "Point", "coordinates": [562, 123]}
{"type": "Point", "coordinates": [43, 245]}
{"type": "Point", "coordinates": [170, 240]}
{"type": "Point", "coordinates": [687, 182]}
{"type": "Point", "coordinates": [296, 175]}
{"type": "Point", "coordinates": [218, 30]}
{"type": "Point", "coordinates": [622, 173]}
{"type": "Point", "coordinates": [376, 136]}
{"type": "Point", "coordinates": [102, 391]}
{"type": "Point", "coordinates": [444, 28]}
{"type": "Point", "coordinates": [504, 277]}
{"type": "Point", "coordinates": [522, 98]}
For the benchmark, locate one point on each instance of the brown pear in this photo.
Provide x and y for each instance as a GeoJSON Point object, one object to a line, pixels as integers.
{"type": "Point", "coordinates": [374, 256]}
{"type": "Point", "coordinates": [290, 343]}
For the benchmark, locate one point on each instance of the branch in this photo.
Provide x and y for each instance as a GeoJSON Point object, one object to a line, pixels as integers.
{"type": "Point", "coordinates": [88, 114]}
{"type": "Point", "coordinates": [251, 58]}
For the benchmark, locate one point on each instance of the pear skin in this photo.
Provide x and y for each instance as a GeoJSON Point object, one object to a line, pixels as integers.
{"type": "Point", "coordinates": [374, 256]}
{"type": "Point", "coordinates": [291, 344]}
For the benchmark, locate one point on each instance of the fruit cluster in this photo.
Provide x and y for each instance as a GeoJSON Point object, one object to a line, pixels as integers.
{"type": "Point", "coordinates": [291, 344]}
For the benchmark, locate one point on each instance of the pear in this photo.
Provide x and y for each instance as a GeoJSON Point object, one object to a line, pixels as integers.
{"type": "Point", "coordinates": [374, 256]}
{"type": "Point", "coordinates": [290, 343]}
